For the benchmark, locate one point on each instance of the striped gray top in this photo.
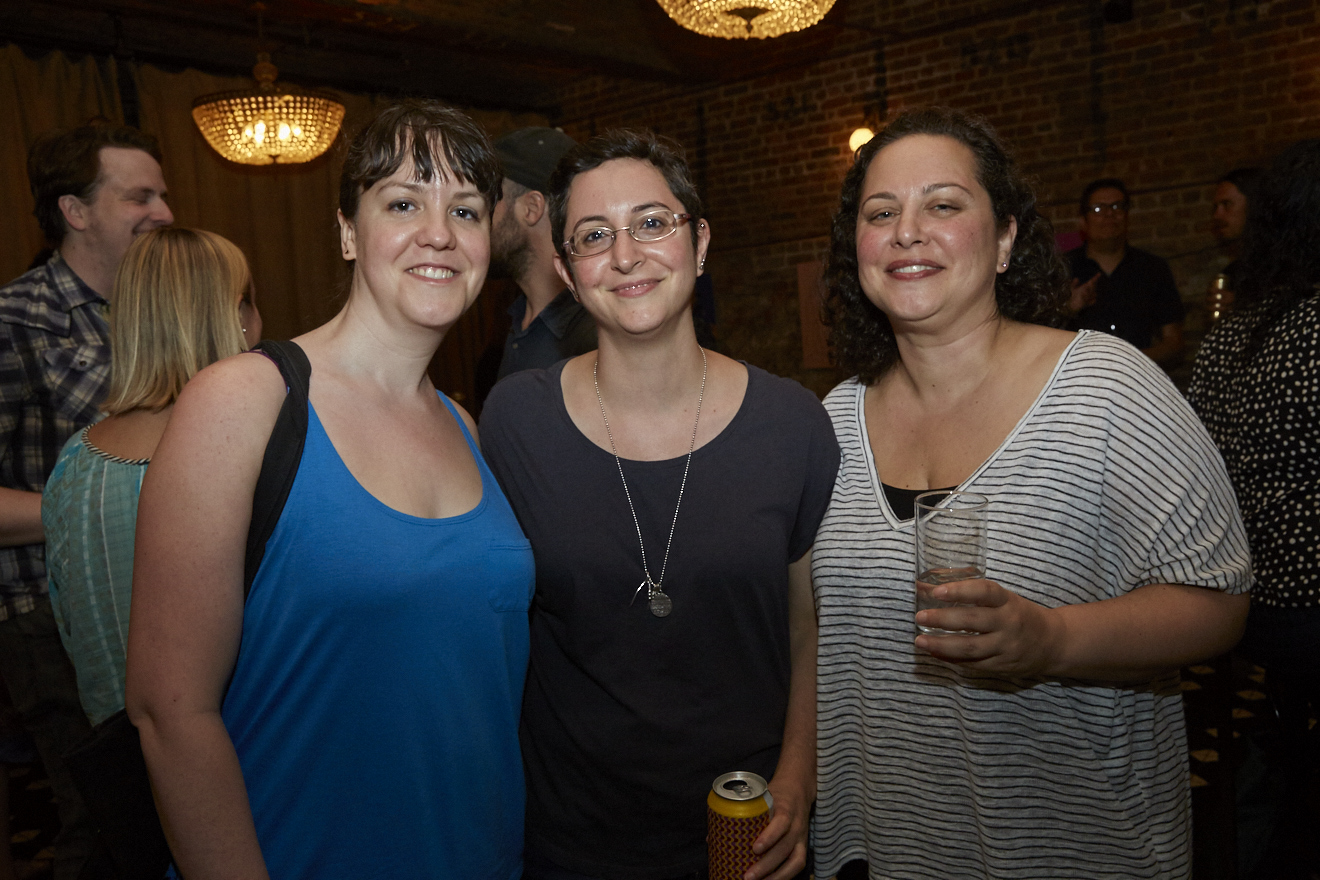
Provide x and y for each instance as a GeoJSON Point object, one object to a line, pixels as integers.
{"type": "Point", "coordinates": [927, 770]}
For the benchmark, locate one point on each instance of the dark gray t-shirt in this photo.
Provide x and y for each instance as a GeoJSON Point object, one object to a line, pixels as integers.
{"type": "Point", "coordinates": [628, 718]}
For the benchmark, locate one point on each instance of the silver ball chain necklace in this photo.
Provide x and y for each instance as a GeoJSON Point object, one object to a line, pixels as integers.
{"type": "Point", "coordinates": [656, 598]}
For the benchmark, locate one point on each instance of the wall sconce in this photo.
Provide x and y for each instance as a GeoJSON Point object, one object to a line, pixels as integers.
{"type": "Point", "coordinates": [858, 138]}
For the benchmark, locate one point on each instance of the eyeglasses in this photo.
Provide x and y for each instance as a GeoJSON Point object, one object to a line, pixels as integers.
{"type": "Point", "coordinates": [652, 226]}
{"type": "Point", "coordinates": [1111, 208]}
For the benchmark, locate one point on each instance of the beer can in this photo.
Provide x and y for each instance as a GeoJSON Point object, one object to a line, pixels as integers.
{"type": "Point", "coordinates": [737, 811]}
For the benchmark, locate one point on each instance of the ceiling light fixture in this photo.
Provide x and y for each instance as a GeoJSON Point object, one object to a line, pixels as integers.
{"type": "Point", "coordinates": [743, 20]}
{"type": "Point", "coordinates": [273, 123]}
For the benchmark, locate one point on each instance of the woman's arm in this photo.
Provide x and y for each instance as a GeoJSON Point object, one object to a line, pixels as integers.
{"type": "Point", "coordinates": [187, 611]}
{"type": "Point", "coordinates": [783, 844]}
{"type": "Point", "coordinates": [1137, 636]}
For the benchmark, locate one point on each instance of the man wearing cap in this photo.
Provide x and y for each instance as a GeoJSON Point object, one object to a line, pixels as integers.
{"type": "Point", "coordinates": [548, 324]}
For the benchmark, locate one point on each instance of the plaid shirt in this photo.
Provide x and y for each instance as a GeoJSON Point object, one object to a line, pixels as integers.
{"type": "Point", "coordinates": [54, 373]}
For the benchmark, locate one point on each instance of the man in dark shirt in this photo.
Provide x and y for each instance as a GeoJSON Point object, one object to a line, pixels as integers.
{"type": "Point", "coordinates": [1119, 289]}
{"type": "Point", "coordinates": [548, 324]}
{"type": "Point", "coordinates": [96, 188]}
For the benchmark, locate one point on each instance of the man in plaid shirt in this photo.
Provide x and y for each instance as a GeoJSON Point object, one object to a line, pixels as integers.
{"type": "Point", "coordinates": [96, 188]}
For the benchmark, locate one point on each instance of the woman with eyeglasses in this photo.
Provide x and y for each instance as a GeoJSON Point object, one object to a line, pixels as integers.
{"type": "Point", "coordinates": [671, 496]}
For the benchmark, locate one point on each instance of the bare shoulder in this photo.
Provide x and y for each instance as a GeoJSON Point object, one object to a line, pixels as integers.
{"type": "Point", "coordinates": [467, 419]}
{"type": "Point", "coordinates": [1042, 347]}
{"type": "Point", "coordinates": [232, 403]}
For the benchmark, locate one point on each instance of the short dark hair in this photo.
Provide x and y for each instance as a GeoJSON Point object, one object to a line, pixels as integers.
{"type": "Point", "coordinates": [438, 138]}
{"type": "Point", "coordinates": [1033, 288]}
{"type": "Point", "coordinates": [1245, 179]}
{"type": "Point", "coordinates": [622, 143]}
{"type": "Point", "coordinates": [68, 163]}
{"type": "Point", "coordinates": [1084, 204]}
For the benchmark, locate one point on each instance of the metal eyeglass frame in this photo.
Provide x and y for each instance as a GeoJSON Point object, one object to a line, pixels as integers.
{"type": "Point", "coordinates": [679, 220]}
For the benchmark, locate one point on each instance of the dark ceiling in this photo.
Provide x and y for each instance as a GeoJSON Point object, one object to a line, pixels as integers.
{"type": "Point", "coordinates": [508, 54]}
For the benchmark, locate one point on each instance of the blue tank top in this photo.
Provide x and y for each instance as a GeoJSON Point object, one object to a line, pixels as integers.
{"type": "Point", "coordinates": [375, 700]}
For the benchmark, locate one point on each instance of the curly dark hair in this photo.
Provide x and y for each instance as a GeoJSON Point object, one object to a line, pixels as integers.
{"type": "Point", "coordinates": [622, 143]}
{"type": "Point", "coordinates": [1280, 264]}
{"type": "Point", "coordinates": [1033, 289]}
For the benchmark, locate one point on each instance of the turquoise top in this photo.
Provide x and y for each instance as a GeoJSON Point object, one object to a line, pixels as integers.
{"type": "Point", "coordinates": [89, 511]}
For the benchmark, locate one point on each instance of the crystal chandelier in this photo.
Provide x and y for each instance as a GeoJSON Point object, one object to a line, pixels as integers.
{"type": "Point", "coordinates": [273, 123]}
{"type": "Point", "coordinates": [743, 20]}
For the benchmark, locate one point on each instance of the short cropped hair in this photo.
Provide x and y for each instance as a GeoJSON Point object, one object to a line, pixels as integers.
{"type": "Point", "coordinates": [663, 153]}
{"type": "Point", "coordinates": [68, 163]}
{"type": "Point", "coordinates": [440, 141]}
{"type": "Point", "coordinates": [174, 310]}
{"type": "Point", "coordinates": [1084, 203]}
{"type": "Point", "coordinates": [1033, 289]}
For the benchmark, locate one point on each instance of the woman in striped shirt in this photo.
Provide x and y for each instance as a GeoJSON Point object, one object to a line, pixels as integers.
{"type": "Point", "coordinates": [1048, 740]}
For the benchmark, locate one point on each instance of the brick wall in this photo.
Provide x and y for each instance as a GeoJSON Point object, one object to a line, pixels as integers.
{"type": "Point", "coordinates": [1167, 101]}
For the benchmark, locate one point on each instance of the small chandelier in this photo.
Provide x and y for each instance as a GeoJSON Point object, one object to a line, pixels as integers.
{"type": "Point", "coordinates": [273, 123]}
{"type": "Point", "coordinates": [744, 20]}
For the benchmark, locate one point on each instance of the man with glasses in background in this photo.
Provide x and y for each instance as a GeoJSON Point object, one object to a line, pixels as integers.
{"type": "Point", "coordinates": [1119, 289]}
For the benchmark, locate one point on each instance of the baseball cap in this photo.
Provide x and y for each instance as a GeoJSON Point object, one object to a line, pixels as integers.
{"type": "Point", "coordinates": [529, 155]}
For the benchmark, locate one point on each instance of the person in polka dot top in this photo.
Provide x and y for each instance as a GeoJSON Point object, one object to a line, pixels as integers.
{"type": "Point", "coordinates": [1256, 385]}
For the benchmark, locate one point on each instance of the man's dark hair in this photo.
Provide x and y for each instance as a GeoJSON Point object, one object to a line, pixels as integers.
{"type": "Point", "coordinates": [1084, 204]}
{"type": "Point", "coordinates": [439, 139]}
{"type": "Point", "coordinates": [1245, 179]}
{"type": "Point", "coordinates": [622, 143]}
{"type": "Point", "coordinates": [68, 163]}
{"type": "Point", "coordinates": [1032, 289]}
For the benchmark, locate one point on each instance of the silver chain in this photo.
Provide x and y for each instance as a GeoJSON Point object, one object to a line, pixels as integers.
{"type": "Point", "coordinates": [654, 585]}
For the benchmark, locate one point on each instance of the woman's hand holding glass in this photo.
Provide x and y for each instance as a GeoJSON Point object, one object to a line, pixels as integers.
{"type": "Point", "coordinates": [1005, 632]}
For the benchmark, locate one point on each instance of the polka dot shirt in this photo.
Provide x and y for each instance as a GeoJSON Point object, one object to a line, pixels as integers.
{"type": "Point", "coordinates": [1265, 417]}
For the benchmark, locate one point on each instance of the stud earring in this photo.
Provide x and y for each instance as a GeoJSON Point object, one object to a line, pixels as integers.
{"type": "Point", "coordinates": [1005, 265]}
{"type": "Point", "coordinates": [702, 266]}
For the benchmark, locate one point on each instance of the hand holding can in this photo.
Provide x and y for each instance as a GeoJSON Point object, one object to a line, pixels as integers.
{"type": "Point", "coordinates": [737, 811]}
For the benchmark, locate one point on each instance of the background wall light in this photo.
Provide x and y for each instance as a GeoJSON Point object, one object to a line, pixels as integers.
{"type": "Point", "coordinates": [745, 19]}
{"type": "Point", "coordinates": [858, 138]}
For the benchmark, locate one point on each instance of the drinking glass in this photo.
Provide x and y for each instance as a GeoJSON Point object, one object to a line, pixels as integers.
{"type": "Point", "coordinates": [950, 536]}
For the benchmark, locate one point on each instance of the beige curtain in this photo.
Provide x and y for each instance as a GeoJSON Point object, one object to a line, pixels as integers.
{"type": "Point", "coordinates": [35, 97]}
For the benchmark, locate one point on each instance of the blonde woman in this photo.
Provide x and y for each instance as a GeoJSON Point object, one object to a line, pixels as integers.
{"type": "Point", "coordinates": [182, 300]}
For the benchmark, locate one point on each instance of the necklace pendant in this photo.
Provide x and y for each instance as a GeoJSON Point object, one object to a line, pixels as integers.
{"type": "Point", "coordinates": [638, 592]}
{"type": "Point", "coordinates": [661, 604]}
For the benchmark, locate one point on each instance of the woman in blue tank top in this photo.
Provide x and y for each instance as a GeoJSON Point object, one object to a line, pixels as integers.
{"type": "Point", "coordinates": [357, 715]}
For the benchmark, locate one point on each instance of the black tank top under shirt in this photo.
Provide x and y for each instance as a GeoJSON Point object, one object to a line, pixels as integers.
{"type": "Point", "coordinates": [903, 502]}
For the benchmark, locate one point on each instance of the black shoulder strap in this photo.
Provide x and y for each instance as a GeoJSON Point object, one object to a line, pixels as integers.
{"type": "Point", "coordinates": [283, 453]}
